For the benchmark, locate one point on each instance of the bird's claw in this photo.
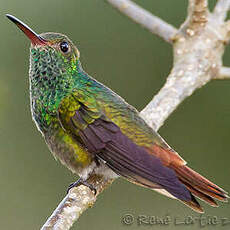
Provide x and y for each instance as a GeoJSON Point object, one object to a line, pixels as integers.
{"type": "Point", "coordinates": [82, 182]}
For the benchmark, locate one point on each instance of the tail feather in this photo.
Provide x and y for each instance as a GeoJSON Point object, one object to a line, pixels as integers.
{"type": "Point", "coordinates": [193, 204]}
{"type": "Point", "coordinates": [197, 179]}
{"type": "Point", "coordinates": [201, 195]}
{"type": "Point", "coordinates": [200, 187]}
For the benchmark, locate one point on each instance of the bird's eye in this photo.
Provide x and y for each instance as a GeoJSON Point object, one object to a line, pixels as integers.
{"type": "Point", "coordinates": [64, 46]}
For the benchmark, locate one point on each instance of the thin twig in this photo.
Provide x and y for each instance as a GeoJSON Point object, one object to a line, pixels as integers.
{"type": "Point", "coordinates": [221, 9]}
{"type": "Point", "coordinates": [143, 17]}
{"type": "Point", "coordinates": [224, 73]}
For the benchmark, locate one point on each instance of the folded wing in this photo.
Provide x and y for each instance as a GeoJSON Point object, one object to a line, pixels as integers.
{"type": "Point", "coordinates": [106, 141]}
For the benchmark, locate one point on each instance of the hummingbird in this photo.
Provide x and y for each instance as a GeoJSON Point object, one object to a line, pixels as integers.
{"type": "Point", "coordinates": [93, 131]}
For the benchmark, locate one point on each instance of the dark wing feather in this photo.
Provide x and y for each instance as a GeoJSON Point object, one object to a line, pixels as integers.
{"type": "Point", "coordinates": [105, 140]}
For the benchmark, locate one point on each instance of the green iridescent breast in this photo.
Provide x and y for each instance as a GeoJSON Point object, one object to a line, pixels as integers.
{"type": "Point", "coordinates": [50, 81]}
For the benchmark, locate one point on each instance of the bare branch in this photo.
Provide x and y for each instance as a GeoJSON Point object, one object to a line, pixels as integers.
{"type": "Point", "coordinates": [184, 79]}
{"type": "Point", "coordinates": [224, 73]}
{"type": "Point", "coordinates": [197, 17]}
{"type": "Point", "coordinates": [69, 210]}
{"type": "Point", "coordinates": [141, 16]}
{"type": "Point", "coordinates": [226, 31]}
{"type": "Point", "coordinates": [75, 203]}
{"type": "Point", "coordinates": [198, 11]}
{"type": "Point", "coordinates": [221, 9]}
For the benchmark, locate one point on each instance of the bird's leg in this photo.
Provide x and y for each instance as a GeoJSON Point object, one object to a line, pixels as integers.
{"type": "Point", "coordinates": [80, 181]}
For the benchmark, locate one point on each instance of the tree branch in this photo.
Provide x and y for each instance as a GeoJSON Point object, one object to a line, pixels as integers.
{"type": "Point", "coordinates": [197, 17]}
{"type": "Point", "coordinates": [224, 73]}
{"type": "Point", "coordinates": [198, 49]}
{"type": "Point", "coordinates": [75, 203]}
{"type": "Point", "coordinates": [198, 11]}
{"type": "Point", "coordinates": [221, 9]}
{"type": "Point", "coordinates": [141, 16]}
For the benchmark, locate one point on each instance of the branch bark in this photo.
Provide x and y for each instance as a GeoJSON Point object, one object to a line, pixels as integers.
{"type": "Point", "coordinates": [198, 48]}
{"type": "Point", "coordinates": [221, 9]}
{"type": "Point", "coordinates": [74, 204]}
{"type": "Point", "coordinates": [224, 73]}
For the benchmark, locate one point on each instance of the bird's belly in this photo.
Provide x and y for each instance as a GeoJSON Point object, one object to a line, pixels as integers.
{"type": "Point", "coordinates": [68, 151]}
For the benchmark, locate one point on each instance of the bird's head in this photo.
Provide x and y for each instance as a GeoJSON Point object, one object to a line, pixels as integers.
{"type": "Point", "coordinates": [52, 55]}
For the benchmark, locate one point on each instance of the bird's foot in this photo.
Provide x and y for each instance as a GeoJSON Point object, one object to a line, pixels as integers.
{"type": "Point", "coordinates": [79, 182]}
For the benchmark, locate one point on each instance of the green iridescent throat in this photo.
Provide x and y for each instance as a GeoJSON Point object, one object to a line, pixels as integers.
{"type": "Point", "coordinates": [52, 77]}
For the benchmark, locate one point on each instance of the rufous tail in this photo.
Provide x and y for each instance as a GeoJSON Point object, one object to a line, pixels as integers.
{"type": "Point", "coordinates": [200, 187]}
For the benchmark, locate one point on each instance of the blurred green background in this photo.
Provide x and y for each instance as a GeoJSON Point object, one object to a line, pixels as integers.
{"type": "Point", "coordinates": [132, 62]}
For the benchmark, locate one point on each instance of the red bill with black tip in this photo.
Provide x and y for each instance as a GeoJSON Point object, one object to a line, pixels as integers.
{"type": "Point", "coordinates": [34, 37]}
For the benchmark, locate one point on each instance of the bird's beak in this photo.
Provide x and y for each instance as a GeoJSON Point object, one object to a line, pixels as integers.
{"type": "Point", "coordinates": [34, 38]}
